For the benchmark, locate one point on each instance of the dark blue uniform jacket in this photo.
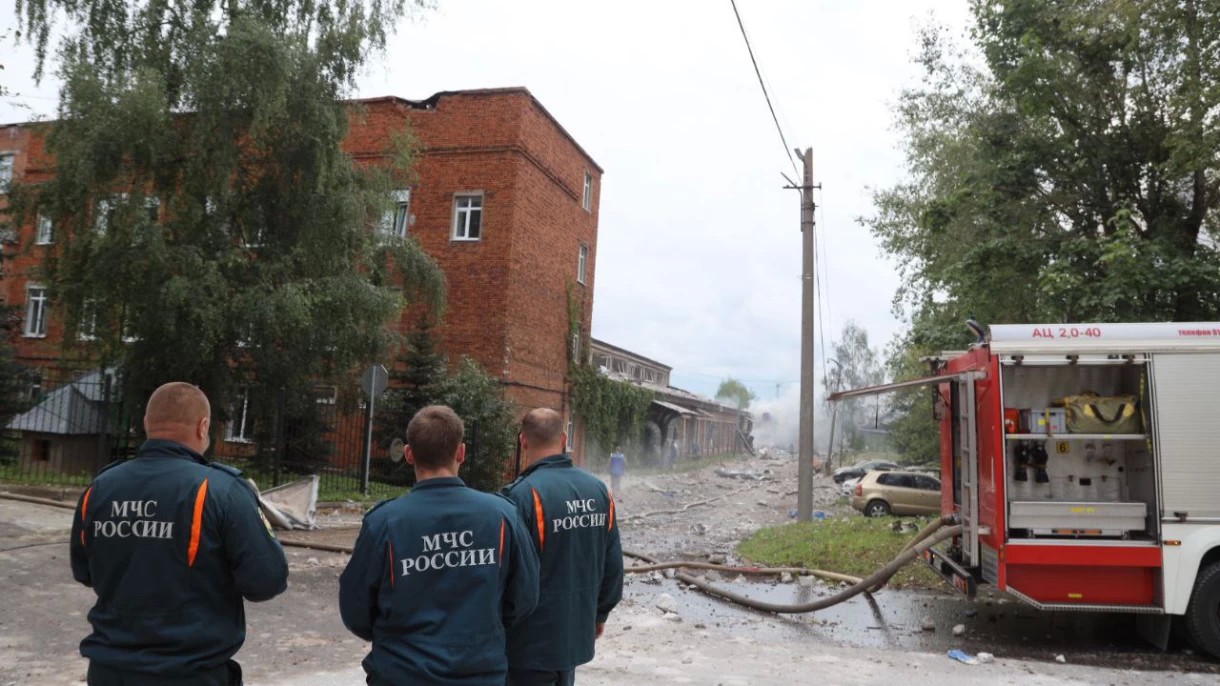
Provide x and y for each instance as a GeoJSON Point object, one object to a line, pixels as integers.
{"type": "Point", "coordinates": [435, 578]}
{"type": "Point", "coordinates": [570, 517]}
{"type": "Point", "coordinates": [171, 544]}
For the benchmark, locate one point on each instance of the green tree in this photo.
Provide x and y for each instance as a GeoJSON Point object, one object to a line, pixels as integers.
{"type": "Point", "coordinates": [855, 365]}
{"type": "Point", "coordinates": [914, 434]}
{"type": "Point", "coordinates": [491, 426]}
{"type": "Point", "coordinates": [1061, 167]}
{"type": "Point", "coordinates": [735, 391]}
{"type": "Point", "coordinates": [213, 228]}
{"type": "Point", "coordinates": [1071, 176]}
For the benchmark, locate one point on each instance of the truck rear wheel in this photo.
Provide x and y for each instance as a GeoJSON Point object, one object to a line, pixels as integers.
{"type": "Point", "coordinates": [1202, 620]}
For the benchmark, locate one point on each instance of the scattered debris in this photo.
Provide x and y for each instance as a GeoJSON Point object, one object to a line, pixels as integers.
{"type": "Point", "coordinates": [962, 657]}
{"type": "Point", "coordinates": [959, 629]}
{"type": "Point", "coordinates": [1060, 658]}
{"type": "Point", "coordinates": [717, 558]}
{"type": "Point", "coordinates": [666, 603]}
{"type": "Point", "coordinates": [743, 474]}
{"type": "Point", "coordinates": [785, 578]}
{"type": "Point", "coordinates": [926, 624]}
{"type": "Point", "coordinates": [806, 581]}
{"type": "Point", "coordinates": [985, 658]}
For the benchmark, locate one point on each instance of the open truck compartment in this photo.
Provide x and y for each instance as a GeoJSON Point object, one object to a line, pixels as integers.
{"type": "Point", "coordinates": [1064, 484]}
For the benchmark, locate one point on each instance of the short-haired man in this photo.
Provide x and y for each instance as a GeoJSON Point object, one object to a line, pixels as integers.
{"type": "Point", "coordinates": [171, 543]}
{"type": "Point", "coordinates": [438, 574]}
{"type": "Point", "coordinates": [571, 520]}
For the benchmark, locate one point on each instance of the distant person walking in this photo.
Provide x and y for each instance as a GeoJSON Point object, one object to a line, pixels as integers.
{"type": "Point", "coordinates": [673, 455]}
{"type": "Point", "coordinates": [572, 525]}
{"type": "Point", "coordinates": [618, 467]}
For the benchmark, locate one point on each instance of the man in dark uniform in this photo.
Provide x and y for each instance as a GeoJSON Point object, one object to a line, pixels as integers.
{"type": "Point", "coordinates": [438, 574]}
{"type": "Point", "coordinates": [171, 543]}
{"type": "Point", "coordinates": [570, 517]}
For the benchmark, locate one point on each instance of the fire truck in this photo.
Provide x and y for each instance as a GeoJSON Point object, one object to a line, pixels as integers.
{"type": "Point", "coordinates": [1117, 511]}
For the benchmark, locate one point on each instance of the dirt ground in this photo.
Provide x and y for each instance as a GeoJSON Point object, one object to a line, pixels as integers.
{"type": "Point", "coordinates": [298, 639]}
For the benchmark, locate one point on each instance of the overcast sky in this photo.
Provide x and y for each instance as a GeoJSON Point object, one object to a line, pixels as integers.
{"type": "Point", "coordinates": [698, 255]}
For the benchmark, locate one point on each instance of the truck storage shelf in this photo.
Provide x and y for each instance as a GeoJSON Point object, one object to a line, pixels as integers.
{"type": "Point", "coordinates": [1055, 517]}
{"type": "Point", "coordinates": [1076, 437]}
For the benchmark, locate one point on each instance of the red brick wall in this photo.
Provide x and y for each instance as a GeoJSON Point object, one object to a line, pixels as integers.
{"type": "Point", "coordinates": [507, 292]}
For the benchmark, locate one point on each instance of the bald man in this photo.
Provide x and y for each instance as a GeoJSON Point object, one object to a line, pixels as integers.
{"type": "Point", "coordinates": [570, 517]}
{"type": "Point", "coordinates": [171, 544]}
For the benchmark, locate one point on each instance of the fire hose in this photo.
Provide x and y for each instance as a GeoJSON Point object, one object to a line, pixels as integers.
{"type": "Point", "coordinates": [867, 584]}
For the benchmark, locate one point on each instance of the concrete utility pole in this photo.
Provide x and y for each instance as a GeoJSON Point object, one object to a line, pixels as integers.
{"type": "Point", "coordinates": [804, 472]}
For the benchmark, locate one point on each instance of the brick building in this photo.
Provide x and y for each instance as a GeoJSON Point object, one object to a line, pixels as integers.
{"type": "Point", "coordinates": [504, 199]}
{"type": "Point", "coordinates": [693, 424]}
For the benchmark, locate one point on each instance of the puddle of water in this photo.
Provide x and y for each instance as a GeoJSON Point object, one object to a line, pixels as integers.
{"type": "Point", "coordinates": [893, 619]}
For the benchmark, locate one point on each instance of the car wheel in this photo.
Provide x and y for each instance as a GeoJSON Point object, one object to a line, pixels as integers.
{"type": "Point", "coordinates": [1202, 620]}
{"type": "Point", "coordinates": [876, 508]}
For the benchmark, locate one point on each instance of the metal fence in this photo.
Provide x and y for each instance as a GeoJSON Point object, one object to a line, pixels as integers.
{"type": "Point", "coordinates": [70, 425]}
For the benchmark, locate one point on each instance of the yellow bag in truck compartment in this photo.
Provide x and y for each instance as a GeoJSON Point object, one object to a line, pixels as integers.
{"type": "Point", "coordinates": [1089, 413]}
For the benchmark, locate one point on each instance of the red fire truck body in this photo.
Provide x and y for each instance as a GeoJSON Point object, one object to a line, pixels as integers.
{"type": "Point", "coordinates": [1067, 520]}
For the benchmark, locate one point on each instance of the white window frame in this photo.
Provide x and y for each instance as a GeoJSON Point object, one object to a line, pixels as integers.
{"type": "Point", "coordinates": [397, 222]}
{"type": "Point", "coordinates": [44, 234]}
{"type": "Point", "coordinates": [326, 395]}
{"type": "Point", "coordinates": [40, 317]}
{"type": "Point", "coordinates": [582, 264]}
{"type": "Point", "coordinates": [587, 198]}
{"type": "Point", "coordinates": [462, 215]}
{"type": "Point", "coordinates": [240, 420]}
{"type": "Point", "coordinates": [104, 208]}
{"type": "Point", "coordinates": [86, 328]}
{"type": "Point", "coordinates": [7, 161]}
{"type": "Point", "coordinates": [125, 333]}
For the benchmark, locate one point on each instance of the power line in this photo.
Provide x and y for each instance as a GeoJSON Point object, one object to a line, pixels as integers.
{"type": "Point", "coordinates": [758, 72]}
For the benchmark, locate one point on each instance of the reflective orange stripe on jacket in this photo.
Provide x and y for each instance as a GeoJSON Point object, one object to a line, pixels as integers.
{"type": "Point", "coordinates": [610, 526]}
{"type": "Point", "coordinates": [197, 523]}
{"type": "Point", "coordinates": [84, 509]}
{"type": "Point", "coordinates": [391, 545]}
{"type": "Point", "coordinates": [502, 525]}
{"type": "Point", "coordinates": [541, 517]}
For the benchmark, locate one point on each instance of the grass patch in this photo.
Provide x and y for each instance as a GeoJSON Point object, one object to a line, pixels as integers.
{"type": "Point", "coordinates": [852, 545]}
{"type": "Point", "coordinates": [18, 475]}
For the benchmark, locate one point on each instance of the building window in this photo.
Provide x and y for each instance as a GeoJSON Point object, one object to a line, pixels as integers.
{"type": "Point", "coordinates": [467, 217]}
{"type": "Point", "coordinates": [582, 263]}
{"type": "Point", "coordinates": [240, 428]}
{"type": "Point", "coordinates": [396, 222]}
{"type": "Point", "coordinates": [325, 395]}
{"type": "Point", "coordinates": [46, 231]}
{"type": "Point", "coordinates": [35, 389]}
{"type": "Point", "coordinates": [37, 309]}
{"type": "Point", "coordinates": [127, 332]}
{"type": "Point", "coordinates": [587, 201]}
{"type": "Point", "coordinates": [42, 451]}
{"type": "Point", "coordinates": [105, 209]}
{"type": "Point", "coordinates": [86, 326]}
{"type": "Point", "coordinates": [6, 172]}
